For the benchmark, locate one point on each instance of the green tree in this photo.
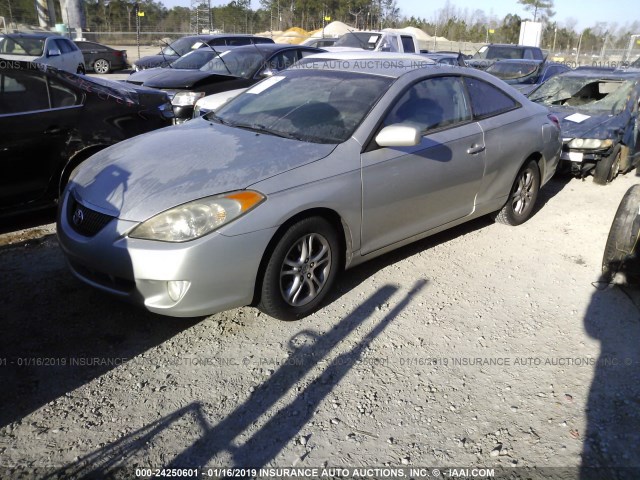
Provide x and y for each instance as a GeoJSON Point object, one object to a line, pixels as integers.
{"type": "Point", "coordinates": [544, 7]}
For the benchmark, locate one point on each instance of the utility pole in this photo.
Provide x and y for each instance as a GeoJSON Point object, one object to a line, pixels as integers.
{"type": "Point", "coordinates": [555, 33]}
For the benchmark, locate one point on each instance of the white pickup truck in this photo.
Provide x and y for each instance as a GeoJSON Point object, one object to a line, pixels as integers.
{"type": "Point", "coordinates": [377, 41]}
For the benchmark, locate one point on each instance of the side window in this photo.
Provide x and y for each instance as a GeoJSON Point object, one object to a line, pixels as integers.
{"type": "Point", "coordinates": [433, 103]}
{"type": "Point", "coordinates": [487, 100]}
{"type": "Point", "coordinates": [239, 41]}
{"type": "Point", "coordinates": [61, 95]}
{"type": "Point", "coordinates": [22, 91]}
{"type": "Point", "coordinates": [407, 44]}
{"type": "Point", "coordinates": [217, 42]}
{"type": "Point", "coordinates": [528, 54]}
{"type": "Point", "coordinates": [283, 60]}
{"type": "Point", "coordinates": [393, 43]}
{"type": "Point", "coordinates": [63, 46]}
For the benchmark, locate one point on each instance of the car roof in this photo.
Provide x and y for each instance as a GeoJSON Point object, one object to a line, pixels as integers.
{"type": "Point", "coordinates": [602, 72]}
{"type": "Point", "coordinates": [221, 35]}
{"type": "Point", "coordinates": [271, 47]}
{"type": "Point", "coordinates": [368, 55]}
{"type": "Point", "coordinates": [32, 35]}
{"type": "Point", "coordinates": [520, 60]}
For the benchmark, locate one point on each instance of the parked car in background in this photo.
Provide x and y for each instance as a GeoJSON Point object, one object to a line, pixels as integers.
{"type": "Point", "coordinates": [239, 67]}
{"type": "Point", "coordinates": [448, 58]}
{"type": "Point", "coordinates": [42, 48]}
{"type": "Point", "coordinates": [310, 171]}
{"type": "Point", "coordinates": [598, 111]}
{"type": "Point", "coordinates": [378, 41]}
{"type": "Point", "coordinates": [100, 58]}
{"type": "Point", "coordinates": [488, 54]}
{"type": "Point", "coordinates": [525, 75]}
{"type": "Point", "coordinates": [183, 45]}
{"type": "Point", "coordinates": [52, 120]}
{"type": "Point", "coordinates": [320, 42]}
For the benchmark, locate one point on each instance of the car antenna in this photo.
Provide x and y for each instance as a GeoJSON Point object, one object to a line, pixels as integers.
{"type": "Point", "coordinates": [162, 53]}
{"type": "Point", "coordinates": [264, 57]}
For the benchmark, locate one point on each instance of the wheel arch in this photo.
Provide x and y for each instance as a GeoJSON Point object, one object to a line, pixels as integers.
{"type": "Point", "coordinates": [333, 217]}
{"type": "Point", "coordinates": [76, 159]}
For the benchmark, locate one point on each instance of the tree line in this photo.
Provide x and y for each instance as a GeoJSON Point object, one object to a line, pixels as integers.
{"type": "Point", "coordinates": [274, 15]}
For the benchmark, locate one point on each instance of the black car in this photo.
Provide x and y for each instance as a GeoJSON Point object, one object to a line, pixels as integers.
{"type": "Point", "coordinates": [446, 58]}
{"type": "Point", "coordinates": [525, 75]}
{"type": "Point", "coordinates": [598, 112]}
{"type": "Point", "coordinates": [239, 67]}
{"type": "Point", "coordinates": [52, 120]}
{"type": "Point", "coordinates": [100, 58]}
{"type": "Point", "coordinates": [184, 45]}
{"type": "Point", "coordinates": [489, 54]}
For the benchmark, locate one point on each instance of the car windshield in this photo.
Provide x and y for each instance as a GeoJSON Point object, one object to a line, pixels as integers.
{"type": "Point", "coordinates": [513, 71]}
{"type": "Point", "coordinates": [494, 52]}
{"type": "Point", "coordinates": [21, 46]}
{"type": "Point", "coordinates": [236, 63]}
{"type": "Point", "coordinates": [182, 45]}
{"type": "Point", "coordinates": [365, 40]}
{"type": "Point", "coordinates": [313, 106]}
{"type": "Point", "coordinates": [195, 59]}
{"type": "Point", "coordinates": [587, 93]}
{"type": "Point", "coordinates": [636, 63]}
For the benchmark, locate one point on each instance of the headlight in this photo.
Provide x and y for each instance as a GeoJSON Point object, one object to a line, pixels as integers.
{"type": "Point", "coordinates": [186, 99]}
{"type": "Point", "coordinates": [200, 217]}
{"type": "Point", "coordinates": [590, 143]}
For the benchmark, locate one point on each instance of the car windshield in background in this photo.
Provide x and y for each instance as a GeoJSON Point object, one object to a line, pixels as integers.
{"type": "Point", "coordinates": [312, 106]}
{"type": "Point", "coordinates": [195, 59]}
{"type": "Point", "coordinates": [229, 62]}
{"type": "Point", "coordinates": [495, 52]}
{"type": "Point", "coordinates": [364, 40]}
{"type": "Point", "coordinates": [587, 93]}
{"type": "Point", "coordinates": [182, 46]}
{"type": "Point", "coordinates": [636, 63]}
{"type": "Point", "coordinates": [512, 71]}
{"type": "Point", "coordinates": [21, 46]}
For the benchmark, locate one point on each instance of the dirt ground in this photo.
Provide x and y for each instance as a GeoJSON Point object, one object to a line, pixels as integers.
{"type": "Point", "coordinates": [486, 345]}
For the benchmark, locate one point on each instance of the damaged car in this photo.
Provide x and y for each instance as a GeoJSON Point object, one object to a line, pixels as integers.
{"type": "Point", "coordinates": [598, 112]}
{"type": "Point", "coordinates": [51, 120]}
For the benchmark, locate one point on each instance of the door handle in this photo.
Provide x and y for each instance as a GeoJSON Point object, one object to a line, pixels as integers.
{"type": "Point", "coordinates": [475, 149]}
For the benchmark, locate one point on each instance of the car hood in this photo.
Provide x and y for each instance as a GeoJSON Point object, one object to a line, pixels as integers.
{"type": "Point", "coordinates": [598, 125]}
{"type": "Point", "coordinates": [174, 78]}
{"type": "Point", "coordinates": [138, 178]}
{"type": "Point", "coordinates": [151, 61]}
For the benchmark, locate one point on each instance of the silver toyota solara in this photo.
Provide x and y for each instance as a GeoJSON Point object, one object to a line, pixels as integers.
{"type": "Point", "coordinates": [309, 172]}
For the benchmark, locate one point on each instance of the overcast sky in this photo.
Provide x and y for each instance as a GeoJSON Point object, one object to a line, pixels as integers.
{"type": "Point", "coordinates": [585, 12]}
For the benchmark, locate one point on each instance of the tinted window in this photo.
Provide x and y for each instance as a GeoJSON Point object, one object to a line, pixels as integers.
{"type": "Point", "coordinates": [61, 95]}
{"type": "Point", "coordinates": [433, 103]}
{"type": "Point", "coordinates": [407, 44]}
{"type": "Point", "coordinates": [261, 40]}
{"type": "Point", "coordinates": [22, 91]}
{"type": "Point", "coordinates": [487, 100]}
{"type": "Point", "coordinates": [63, 46]}
{"type": "Point", "coordinates": [283, 60]}
{"type": "Point", "coordinates": [239, 41]}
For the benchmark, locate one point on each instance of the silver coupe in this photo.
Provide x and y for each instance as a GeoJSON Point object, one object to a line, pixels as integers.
{"type": "Point", "coordinates": [313, 170]}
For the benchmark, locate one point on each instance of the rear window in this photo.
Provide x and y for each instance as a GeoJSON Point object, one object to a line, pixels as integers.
{"type": "Point", "coordinates": [510, 71]}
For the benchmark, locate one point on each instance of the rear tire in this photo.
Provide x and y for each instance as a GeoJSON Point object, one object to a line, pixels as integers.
{"type": "Point", "coordinates": [523, 196]}
{"type": "Point", "coordinates": [101, 66]}
{"type": "Point", "coordinates": [618, 261]}
{"type": "Point", "coordinates": [301, 269]}
{"type": "Point", "coordinates": [607, 168]}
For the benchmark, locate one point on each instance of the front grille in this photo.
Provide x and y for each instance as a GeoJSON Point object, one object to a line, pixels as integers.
{"type": "Point", "coordinates": [85, 221]}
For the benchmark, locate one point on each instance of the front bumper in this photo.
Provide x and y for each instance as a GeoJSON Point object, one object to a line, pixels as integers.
{"type": "Point", "coordinates": [580, 161]}
{"type": "Point", "coordinates": [221, 271]}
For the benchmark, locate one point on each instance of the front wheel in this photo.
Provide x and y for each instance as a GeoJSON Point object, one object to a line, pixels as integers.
{"type": "Point", "coordinates": [301, 269]}
{"type": "Point", "coordinates": [522, 197]}
{"type": "Point", "coordinates": [101, 66]}
{"type": "Point", "coordinates": [608, 168]}
{"type": "Point", "coordinates": [80, 70]}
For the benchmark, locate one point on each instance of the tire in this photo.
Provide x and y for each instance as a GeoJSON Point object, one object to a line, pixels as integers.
{"type": "Point", "coordinates": [81, 70]}
{"type": "Point", "coordinates": [607, 168]}
{"type": "Point", "coordinates": [297, 280]}
{"type": "Point", "coordinates": [523, 196]}
{"type": "Point", "coordinates": [101, 66]}
{"type": "Point", "coordinates": [625, 160]}
{"type": "Point", "coordinates": [619, 251]}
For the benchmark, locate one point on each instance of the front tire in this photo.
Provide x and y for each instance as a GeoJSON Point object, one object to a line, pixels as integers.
{"type": "Point", "coordinates": [608, 168]}
{"type": "Point", "coordinates": [101, 66]}
{"type": "Point", "coordinates": [301, 270]}
{"type": "Point", "coordinates": [81, 70]}
{"type": "Point", "coordinates": [619, 252]}
{"type": "Point", "coordinates": [522, 197]}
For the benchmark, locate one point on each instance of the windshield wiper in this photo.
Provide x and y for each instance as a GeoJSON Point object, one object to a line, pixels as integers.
{"type": "Point", "coordinates": [256, 127]}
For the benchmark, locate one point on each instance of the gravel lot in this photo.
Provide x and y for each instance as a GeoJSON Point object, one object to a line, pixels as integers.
{"type": "Point", "coordinates": [483, 346]}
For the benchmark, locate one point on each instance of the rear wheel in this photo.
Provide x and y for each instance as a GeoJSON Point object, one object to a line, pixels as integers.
{"type": "Point", "coordinates": [607, 168]}
{"type": "Point", "coordinates": [522, 197]}
{"type": "Point", "coordinates": [101, 66]}
{"type": "Point", "coordinates": [301, 269]}
{"type": "Point", "coordinates": [619, 262]}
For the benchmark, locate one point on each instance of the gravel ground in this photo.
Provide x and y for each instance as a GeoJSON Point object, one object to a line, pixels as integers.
{"type": "Point", "coordinates": [485, 345]}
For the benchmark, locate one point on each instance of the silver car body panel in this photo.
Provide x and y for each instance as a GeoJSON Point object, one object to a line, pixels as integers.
{"type": "Point", "coordinates": [384, 197]}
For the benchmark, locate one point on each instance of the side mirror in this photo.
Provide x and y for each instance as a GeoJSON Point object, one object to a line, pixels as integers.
{"type": "Point", "coordinates": [267, 72]}
{"type": "Point", "coordinates": [399, 135]}
{"type": "Point", "coordinates": [53, 52]}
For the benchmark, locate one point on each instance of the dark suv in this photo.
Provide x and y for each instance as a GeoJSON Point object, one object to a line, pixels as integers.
{"type": "Point", "coordinates": [184, 45]}
{"type": "Point", "coordinates": [51, 120]}
{"type": "Point", "coordinates": [489, 54]}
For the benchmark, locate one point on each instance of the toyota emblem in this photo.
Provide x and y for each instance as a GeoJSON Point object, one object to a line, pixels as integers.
{"type": "Point", "coordinates": [78, 217]}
